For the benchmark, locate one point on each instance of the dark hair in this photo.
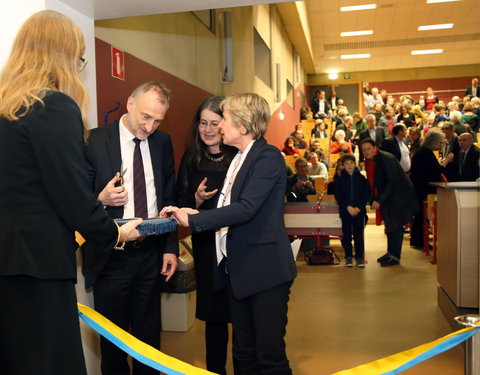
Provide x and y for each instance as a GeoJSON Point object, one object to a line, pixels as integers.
{"type": "Point", "coordinates": [346, 157]}
{"type": "Point", "coordinates": [368, 140]}
{"type": "Point", "coordinates": [286, 141]}
{"type": "Point", "coordinates": [397, 128]}
{"type": "Point", "coordinates": [195, 145]}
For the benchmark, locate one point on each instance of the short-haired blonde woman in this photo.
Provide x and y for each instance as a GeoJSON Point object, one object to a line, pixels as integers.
{"type": "Point", "coordinates": [254, 257]}
{"type": "Point", "coordinates": [44, 198]}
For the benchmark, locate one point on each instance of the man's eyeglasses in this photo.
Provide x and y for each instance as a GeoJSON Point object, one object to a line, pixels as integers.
{"type": "Point", "coordinates": [82, 64]}
{"type": "Point", "coordinates": [203, 124]}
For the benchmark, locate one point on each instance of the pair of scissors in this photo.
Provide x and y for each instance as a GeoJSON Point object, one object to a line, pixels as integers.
{"type": "Point", "coordinates": [121, 181]}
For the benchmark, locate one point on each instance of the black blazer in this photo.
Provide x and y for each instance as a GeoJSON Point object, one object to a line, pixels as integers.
{"type": "Point", "coordinates": [44, 193]}
{"type": "Point", "coordinates": [451, 170]}
{"type": "Point", "coordinates": [259, 252]}
{"type": "Point", "coordinates": [379, 133]}
{"type": "Point", "coordinates": [315, 105]}
{"type": "Point", "coordinates": [470, 169]}
{"type": "Point", "coordinates": [425, 169]}
{"type": "Point", "coordinates": [104, 160]}
{"type": "Point", "coordinates": [391, 145]}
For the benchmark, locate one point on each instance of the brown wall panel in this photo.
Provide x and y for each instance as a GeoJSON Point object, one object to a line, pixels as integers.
{"type": "Point", "coordinates": [185, 97]}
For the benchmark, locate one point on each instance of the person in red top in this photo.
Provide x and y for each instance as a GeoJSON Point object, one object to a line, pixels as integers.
{"type": "Point", "coordinates": [289, 147]}
{"type": "Point", "coordinates": [430, 100]}
{"type": "Point", "coordinates": [340, 145]}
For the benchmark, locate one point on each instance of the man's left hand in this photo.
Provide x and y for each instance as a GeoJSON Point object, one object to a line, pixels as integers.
{"type": "Point", "coordinates": [170, 265]}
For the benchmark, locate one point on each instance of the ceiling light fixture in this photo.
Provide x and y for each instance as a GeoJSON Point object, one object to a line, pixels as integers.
{"type": "Point", "coordinates": [427, 51]}
{"type": "Point", "coordinates": [435, 27]}
{"type": "Point", "coordinates": [358, 7]}
{"type": "Point", "coordinates": [439, 1]}
{"type": "Point", "coordinates": [357, 56]}
{"type": "Point", "coordinates": [332, 75]}
{"type": "Point", "coordinates": [356, 33]}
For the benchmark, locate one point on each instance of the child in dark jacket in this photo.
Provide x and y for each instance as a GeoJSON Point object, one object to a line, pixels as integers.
{"type": "Point", "coordinates": [352, 192]}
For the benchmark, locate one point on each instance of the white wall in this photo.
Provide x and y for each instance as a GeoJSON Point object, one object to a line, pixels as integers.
{"type": "Point", "coordinates": [14, 13]}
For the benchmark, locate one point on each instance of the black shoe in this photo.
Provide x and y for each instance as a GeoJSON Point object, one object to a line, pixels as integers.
{"type": "Point", "coordinates": [389, 262]}
{"type": "Point", "coordinates": [383, 257]}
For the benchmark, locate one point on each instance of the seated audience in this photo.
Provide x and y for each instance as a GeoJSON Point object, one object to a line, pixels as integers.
{"type": "Point", "coordinates": [346, 127]}
{"type": "Point", "coordinates": [440, 114]}
{"type": "Point", "coordinates": [406, 117]}
{"type": "Point", "coordinates": [458, 127]}
{"type": "Point", "coordinates": [372, 98]}
{"type": "Point", "coordinates": [319, 130]}
{"type": "Point", "coordinates": [341, 105]}
{"type": "Point", "coordinates": [387, 121]}
{"type": "Point", "coordinates": [340, 117]}
{"type": "Point", "coordinates": [316, 167]}
{"type": "Point", "coordinates": [468, 159]}
{"type": "Point", "coordinates": [470, 118]}
{"type": "Point", "coordinates": [359, 123]}
{"type": "Point", "coordinates": [340, 145]}
{"type": "Point", "coordinates": [289, 147]}
{"type": "Point", "coordinates": [377, 111]}
{"type": "Point", "coordinates": [420, 116]}
{"type": "Point", "coordinates": [300, 143]}
{"type": "Point", "coordinates": [300, 184]}
{"type": "Point", "coordinates": [314, 145]}
{"type": "Point", "coordinates": [338, 172]}
{"type": "Point", "coordinates": [306, 113]}
{"type": "Point", "coordinates": [297, 127]}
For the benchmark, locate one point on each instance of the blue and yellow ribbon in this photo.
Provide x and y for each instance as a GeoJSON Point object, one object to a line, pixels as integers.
{"type": "Point", "coordinates": [152, 357]}
{"type": "Point", "coordinates": [142, 352]}
{"type": "Point", "coordinates": [401, 361]}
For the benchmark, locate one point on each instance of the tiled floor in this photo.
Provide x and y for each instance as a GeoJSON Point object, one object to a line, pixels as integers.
{"type": "Point", "coordinates": [342, 317]}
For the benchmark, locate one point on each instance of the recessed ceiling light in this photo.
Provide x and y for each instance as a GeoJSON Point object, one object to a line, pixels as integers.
{"type": "Point", "coordinates": [357, 56]}
{"type": "Point", "coordinates": [427, 51]}
{"type": "Point", "coordinates": [358, 7]}
{"type": "Point", "coordinates": [332, 75]}
{"type": "Point", "coordinates": [435, 27]}
{"type": "Point", "coordinates": [356, 33]}
{"type": "Point", "coordinates": [439, 1]}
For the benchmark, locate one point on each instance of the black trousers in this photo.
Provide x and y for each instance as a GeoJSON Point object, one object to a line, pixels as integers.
{"type": "Point", "coordinates": [128, 293]}
{"type": "Point", "coordinates": [216, 341]}
{"type": "Point", "coordinates": [394, 243]}
{"type": "Point", "coordinates": [39, 327]}
{"type": "Point", "coordinates": [259, 323]}
{"type": "Point", "coordinates": [353, 226]}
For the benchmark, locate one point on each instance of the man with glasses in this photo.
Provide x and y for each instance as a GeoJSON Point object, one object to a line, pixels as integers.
{"type": "Point", "coordinates": [132, 170]}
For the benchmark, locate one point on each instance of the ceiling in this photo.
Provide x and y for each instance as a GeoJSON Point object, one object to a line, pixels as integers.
{"type": "Point", "coordinates": [394, 24]}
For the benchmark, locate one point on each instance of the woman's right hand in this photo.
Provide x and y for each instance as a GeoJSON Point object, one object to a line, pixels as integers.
{"type": "Point", "coordinates": [129, 231]}
{"type": "Point", "coordinates": [202, 194]}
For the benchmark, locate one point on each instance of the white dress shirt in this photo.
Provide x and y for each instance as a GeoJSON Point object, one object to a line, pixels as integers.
{"type": "Point", "coordinates": [225, 197]}
{"type": "Point", "coordinates": [127, 147]}
{"type": "Point", "coordinates": [405, 161]}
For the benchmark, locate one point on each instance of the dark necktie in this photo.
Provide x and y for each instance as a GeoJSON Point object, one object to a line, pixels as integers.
{"type": "Point", "coordinates": [139, 188]}
{"type": "Point", "coordinates": [462, 160]}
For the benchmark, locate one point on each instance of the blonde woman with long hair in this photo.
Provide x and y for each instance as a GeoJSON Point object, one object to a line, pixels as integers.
{"type": "Point", "coordinates": [45, 197]}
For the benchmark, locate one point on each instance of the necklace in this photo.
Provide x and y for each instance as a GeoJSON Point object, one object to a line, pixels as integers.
{"type": "Point", "coordinates": [214, 159]}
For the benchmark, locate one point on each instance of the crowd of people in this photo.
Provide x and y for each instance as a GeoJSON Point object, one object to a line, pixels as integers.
{"type": "Point", "coordinates": [427, 139]}
{"type": "Point", "coordinates": [231, 188]}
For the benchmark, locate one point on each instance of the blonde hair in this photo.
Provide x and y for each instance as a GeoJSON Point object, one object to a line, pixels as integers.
{"type": "Point", "coordinates": [250, 110]}
{"type": "Point", "coordinates": [45, 56]}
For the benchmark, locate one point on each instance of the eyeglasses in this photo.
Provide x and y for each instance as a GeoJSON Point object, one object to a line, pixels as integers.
{"type": "Point", "coordinates": [82, 64]}
{"type": "Point", "coordinates": [203, 124]}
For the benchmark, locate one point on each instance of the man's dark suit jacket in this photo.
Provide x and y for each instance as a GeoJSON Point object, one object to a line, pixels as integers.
{"type": "Point", "coordinates": [104, 160]}
{"type": "Point", "coordinates": [45, 195]}
{"type": "Point", "coordinates": [391, 145]}
{"type": "Point", "coordinates": [451, 170]}
{"type": "Point", "coordinates": [315, 105]}
{"type": "Point", "coordinates": [469, 90]}
{"type": "Point", "coordinates": [258, 250]}
{"type": "Point", "coordinates": [380, 136]}
{"type": "Point", "coordinates": [471, 168]}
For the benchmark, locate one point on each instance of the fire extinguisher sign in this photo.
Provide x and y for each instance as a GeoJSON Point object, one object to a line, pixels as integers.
{"type": "Point", "coordinates": [118, 63]}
